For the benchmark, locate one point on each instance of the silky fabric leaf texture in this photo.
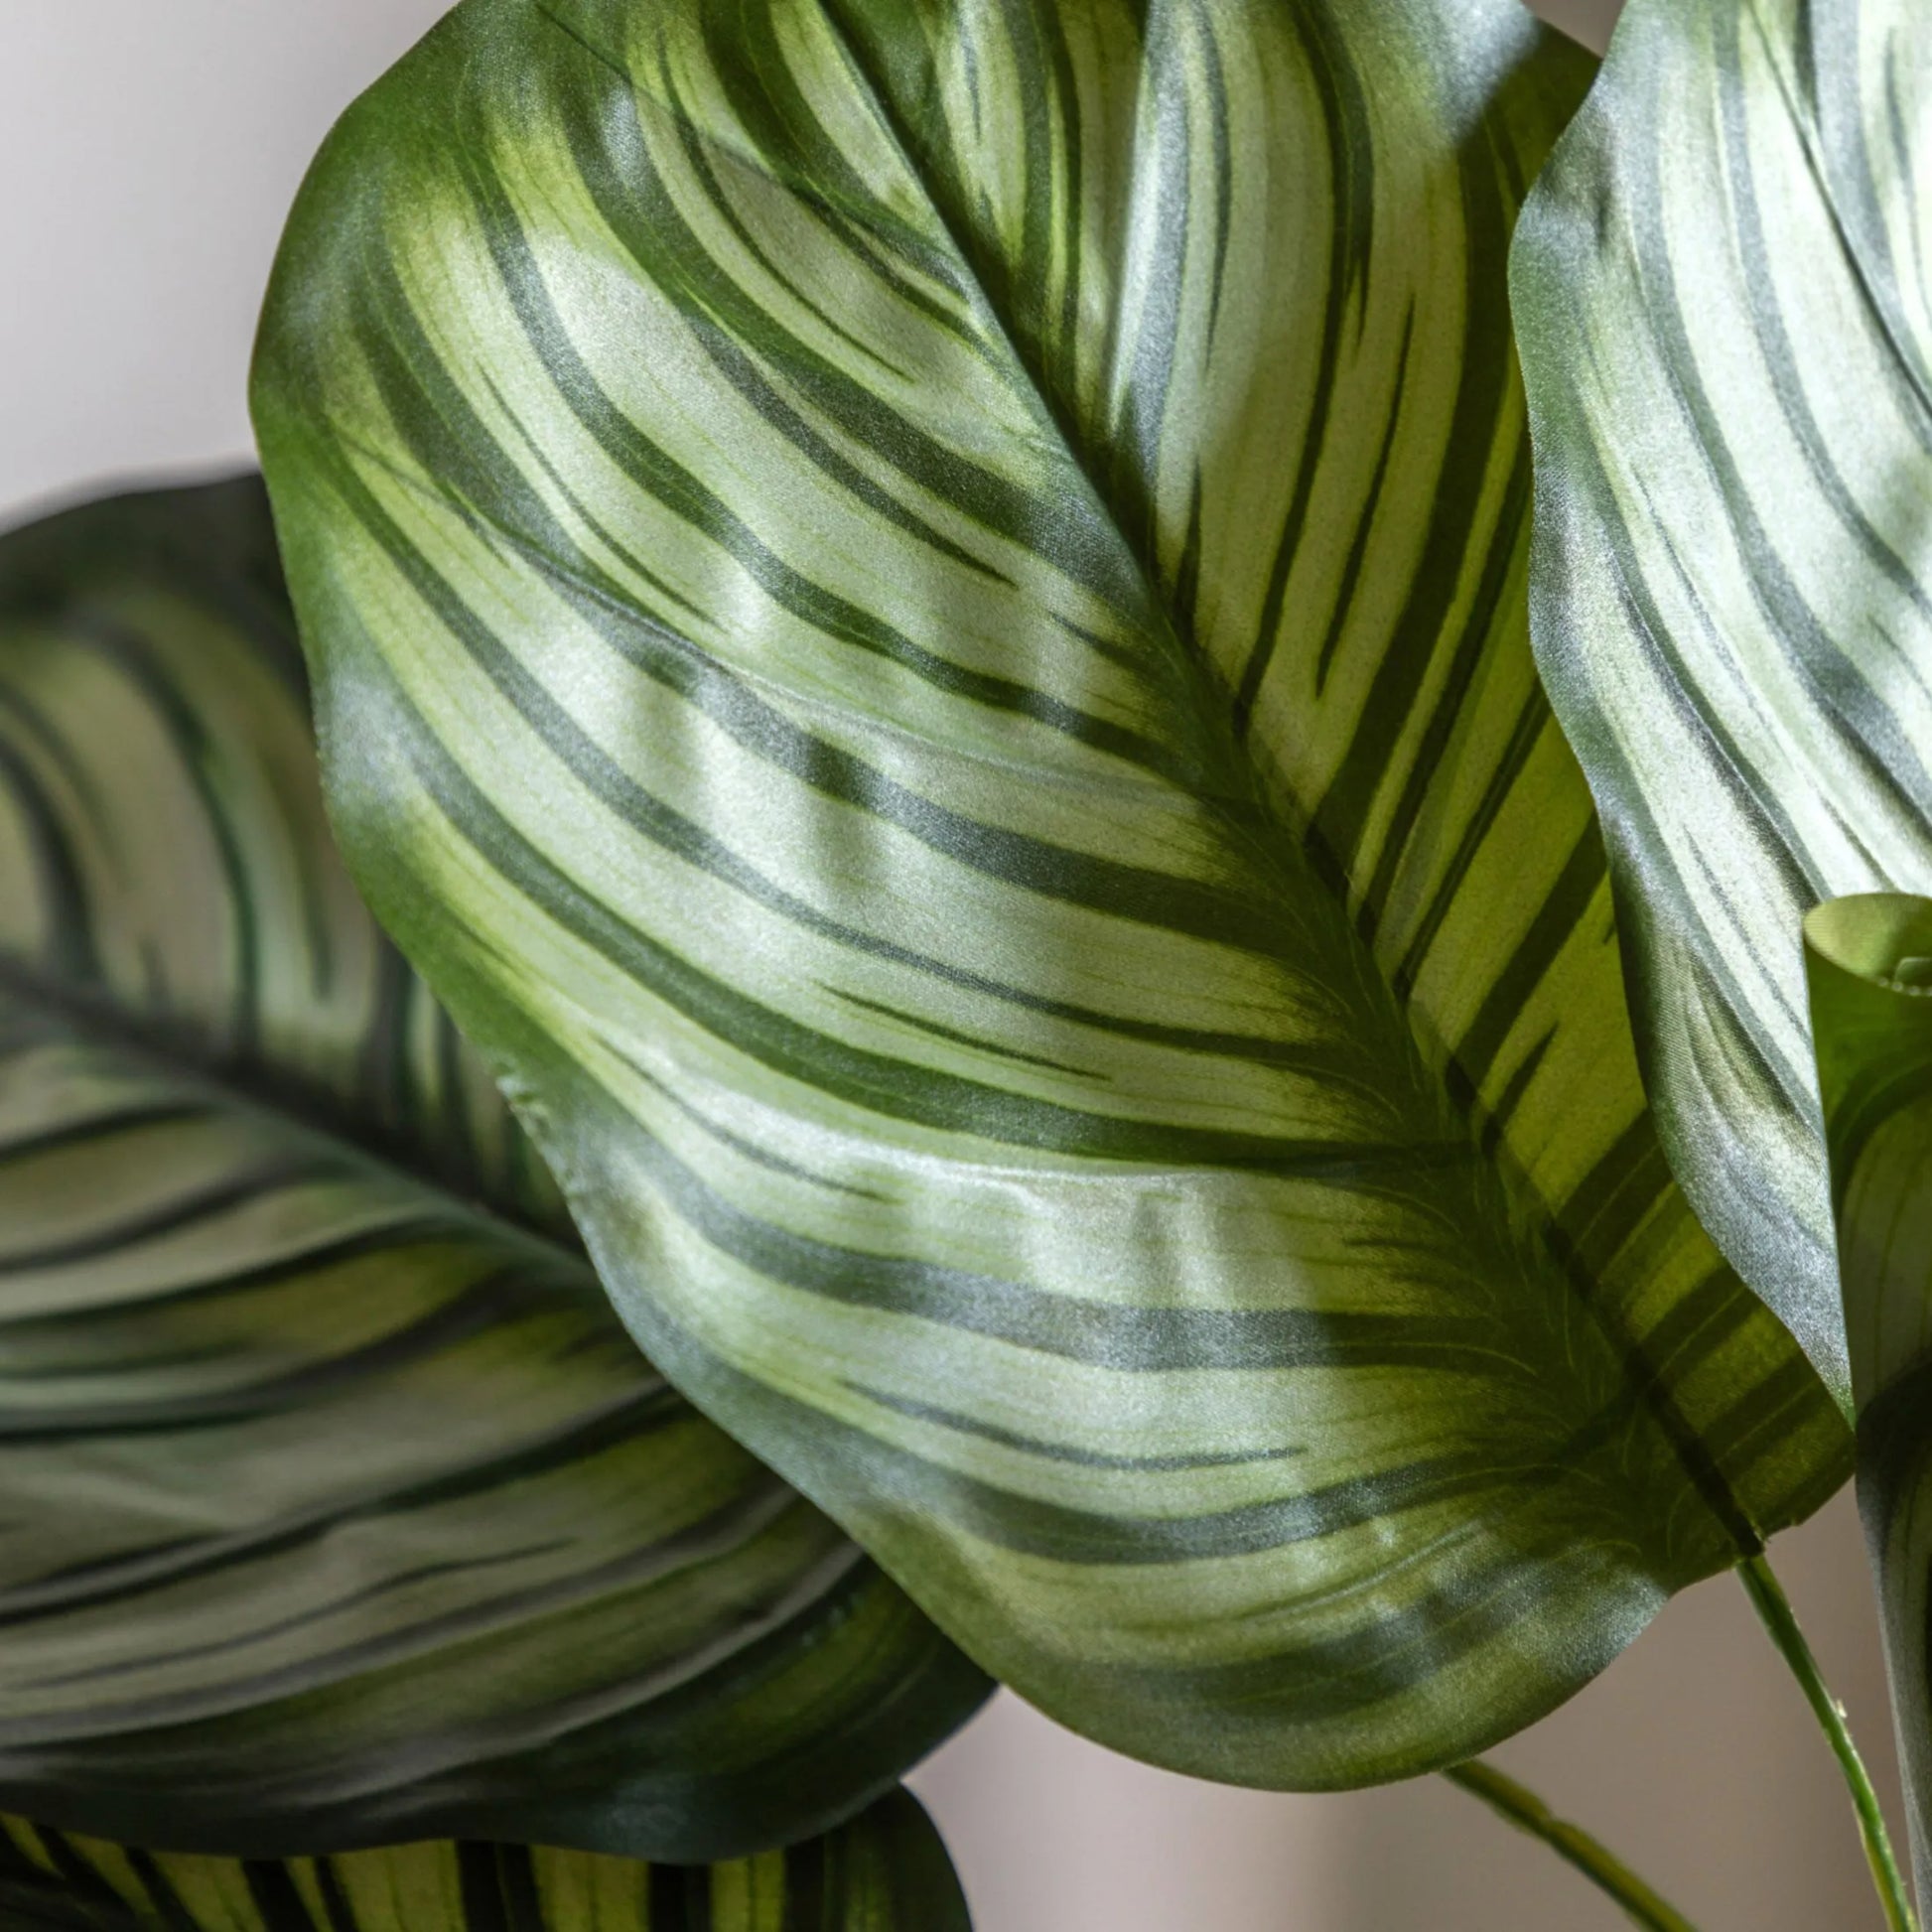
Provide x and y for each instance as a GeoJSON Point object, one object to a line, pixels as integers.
{"type": "Point", "coordinates": [336, 1506]}
{"type": "Point", "coordinates": [918, 620]}
{"type": "Point", "coordinates": [1868, 970]}
{"type": "Point", "coordinates": [885, 1871]}
{"type": "Point", "coordinates": [1722, 292]}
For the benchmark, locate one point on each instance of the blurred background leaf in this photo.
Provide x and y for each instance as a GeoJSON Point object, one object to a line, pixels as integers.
{"type": "Point", "coordinates": [334, 1505]}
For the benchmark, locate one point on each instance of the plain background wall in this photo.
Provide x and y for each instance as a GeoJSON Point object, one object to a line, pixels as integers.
{"type": "Point", "coordinates": [149, 149]}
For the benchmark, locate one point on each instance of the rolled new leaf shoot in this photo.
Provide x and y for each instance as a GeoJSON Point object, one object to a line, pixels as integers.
{"type": "Point", "coordinates": [1868, 963]}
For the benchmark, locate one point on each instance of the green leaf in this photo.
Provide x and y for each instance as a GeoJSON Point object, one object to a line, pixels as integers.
{"type": "Point", "coordinates": [1868, 963]}
{"type": "Point", "coordinates": [918, 613]}
{"type": "Point", "coordinates": [336, 1507]}
{"type": "Point", "coordinates": [1721, 286]}
{"type": "Point", "coordinates": [883, 1872]}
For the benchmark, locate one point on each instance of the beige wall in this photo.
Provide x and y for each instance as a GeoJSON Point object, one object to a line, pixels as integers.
{"type": "Point", "coordinates": [149, 151]}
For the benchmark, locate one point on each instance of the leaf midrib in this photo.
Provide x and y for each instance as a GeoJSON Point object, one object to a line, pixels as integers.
{"type": "Point", "coordinates": [1268, 799]}
{"type": "Point", "coordinates": [1272, 803]}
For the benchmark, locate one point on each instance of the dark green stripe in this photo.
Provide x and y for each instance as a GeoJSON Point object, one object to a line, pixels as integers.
{"type": "Point", "coordinates": [1063, 1452]}
{"type": "Point", "coordinates": [120, 1578]}
{"type": "Point", "coordinates": [485, 1908]}
{"type": "Point", "coordinates": [131, 1118]}
{"type": "Point", "coordinates": [163, 1901]}
{"type": "Point", "coordinates": [1403, 671]}
{"type": "Point", "coordinates": [1344, 120]}
{"type": "Point", "coordinates": [204, 1203]}
{"type": "Point", "coordinates": [886, 1086]}
{"type": "Point", "coordinates": [1511, 991]}
{"type": "Point", "coordinates": [1123, 1338]}
{"type": "Point", "coordinates": [476, 1309]}
{"type": "Point", "coordinates": [336, 1910]}
{"type": "Point", "coordinates": [272, 1892]}
{"type": "Point", "coordinates": [812, 1893]}
{"type": "Point", "coordinates": [680, 1899]}
{"type": "Point", "coordinates": [725, 1531]}
{"type": "Point", "coordinates": [395, 1238]}
{"type": "Point", "coordinates": [199, 759]}
{"type": "Point", "coordinates": [70, 952]}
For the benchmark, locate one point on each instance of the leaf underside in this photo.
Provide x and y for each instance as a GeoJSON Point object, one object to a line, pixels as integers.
{"type": "Point", "coordinates": [336, 1506]}
{"type": "Point", "coordinates": [918, 613]}
{"type": "Point", "coordinates": [1720, 284]}
{"type": "Point", "coordinates": [883, 1872]}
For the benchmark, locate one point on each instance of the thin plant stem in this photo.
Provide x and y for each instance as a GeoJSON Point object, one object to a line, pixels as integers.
{"type": "Point", "coordinates": [1602, 1867]}
{"type": "Point", "coordinates": [1774, 1608]}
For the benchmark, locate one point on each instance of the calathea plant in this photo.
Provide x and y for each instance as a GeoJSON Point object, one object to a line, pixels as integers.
{"type": "Point", "coordinates": [338, 1509]}
{"type": "Point", "coordinates": [918, 622]}
{"type": "Point", "coordinates": [918, 617]}
{"type": "Point", "coordinates": [1721, 291]}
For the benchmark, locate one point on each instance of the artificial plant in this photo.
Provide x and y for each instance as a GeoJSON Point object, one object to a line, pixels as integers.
{"type": "Point", "coordinates": [918, 622]}
{"type": "Point", "coordinates": [338, 1509]}
{"type": "Point", "coordinates": [1721, 286]}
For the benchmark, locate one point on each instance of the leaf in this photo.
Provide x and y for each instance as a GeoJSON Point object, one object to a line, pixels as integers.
{"type": "Point", "coordinates": [883, 1872]}
{"type": "Point", "coordinates": [1868, 965]}
{"type": "Point", "coordinates": [1721, 293]}
{"type": "Point", "coordinates": [334, 1505]}
{"type": "Point", "coordinates": [919, 616]}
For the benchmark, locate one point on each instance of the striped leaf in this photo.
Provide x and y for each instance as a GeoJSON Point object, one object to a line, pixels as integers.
{"type": "Point", "coordinates": [885, 1871]}
{"type": "Point", "coordinates": [1722, 288]}
{"type": "Point", "coordinates": [919, 619]}
{"type": "Point", "coordinates": [336, 1506]}
{"type": "Point", "coordinates": [1868, 961]}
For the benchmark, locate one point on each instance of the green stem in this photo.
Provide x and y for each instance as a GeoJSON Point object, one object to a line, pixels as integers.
{"type": "Point", "coordinates": [1774, 1607]}
{"type": "Point", "coordinates": [1525, 1810]}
